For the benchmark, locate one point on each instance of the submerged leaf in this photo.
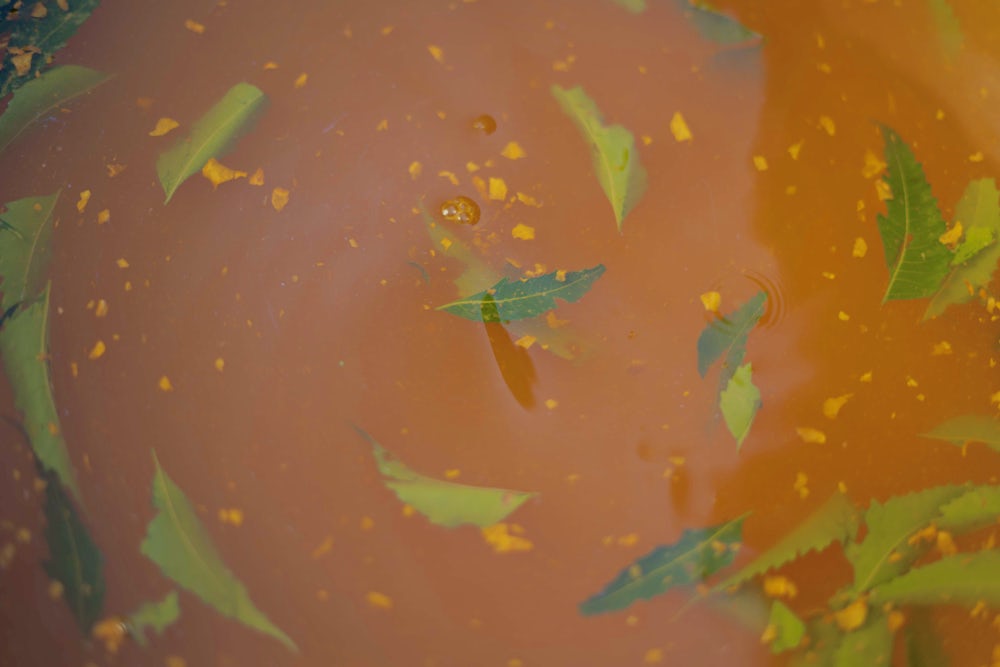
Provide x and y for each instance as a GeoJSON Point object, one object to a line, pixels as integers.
{"type": "Point", "coordinates": [910, 230]}
{"type": "Point", "coordinates": [924, 646]}
{"type": "Point", "coordinates": [26, 237]}
{"type": "Point", "coordinates": [178, 543]}
{"type": "Point", "coordinates": [968, 428]}
{"type": "Point", "coordinates": [963, 579]}
{"type": "Point", "coordinates": [977, 508]}
{"type": "Point", "coordinates": [156, 616]}
{"type": "Point", "coordinates": [728, 336]}
{"type": "Point", "coordinates": [211, 136]}
{"type": "Point", "coordinates": [788, 628]}
{"type": "Point", "coordinates": [949, 29]}
{"type": "Point", "coordinates": [444, 503]}
{"type": "Point", "coordinates": [527, 298]}
{"type": "Point", "coordinates": [739, 403]}
{"type": "Point", "coordinates": [870, 645]}
{"type": "Point", "coordinates": [39, 97]}
{"type": "Point", "coordinates": [716, 26]}
{"type": "Point", "coordinates": [698, 554]}
{"type": "Point", "coordinates": [615, 157]}
{"type": "Point", "coordinates": [633, 6]}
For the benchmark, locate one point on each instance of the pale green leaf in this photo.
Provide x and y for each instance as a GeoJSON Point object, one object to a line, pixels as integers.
{"type": "Point", "coordinates": [788, 626]}
{"type": "Point", "coordinates": [727, 336]}
{"type": "Point", "coordinates": [716, 26]}
{"type": "Point", "coordinates": [180, 545]}
{"type": "Point", "coordinates": [24, 347]}
{"type": "Point", "coordinates": [510, 300]}
{"type": "Point", "coordinates": [910, 230]}
{"type": "Point", "coordinates": [977, 508]}
{"type": "Point", "coordinates": [212, 135]}
{"type": "Point", "coordinates": [739, 403]}
{"type": "Point", "coordinates": [948, 28]}
{"type": "Point", "coordinates": [966, 579]}
{"type": "Point", "coordinates": [615, 157]}
{"type": "Point", "coordinates": [836, 520]}
{"type": "Point", "coordinates": [698, 554]}
{"type": "Point", "coordinates": [978, 209]}
{"type": "Point", "coordinates": [633, 6]}
{"type": "Point", "coordinates": [47, 94]}
{"type": "Point", "coordinates": [444, 503]}
{"type": "Point", "coordinates": [976, 240]}
{"type": "Point", "coordinates": [157, 616]}
{"type": "Point", "coordinates": [885, 551]}
{"type": "Point", "coordinates": [968, 428]}
{"type": "Point", "coordinates": [824, 641]}
{"type": "Point", "coordinates": [870, 645]}
{"type": "Point", "coordinates": [25, 248]}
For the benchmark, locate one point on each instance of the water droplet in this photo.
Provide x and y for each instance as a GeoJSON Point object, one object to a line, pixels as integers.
{"type": "Point", "coordinates": [486, 123]}
{"type": "Point", "coordinates": [461, 210]}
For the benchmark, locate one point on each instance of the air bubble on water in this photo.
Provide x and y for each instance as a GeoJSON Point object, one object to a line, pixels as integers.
{"type": "Point", "coordinates": [461, 210]}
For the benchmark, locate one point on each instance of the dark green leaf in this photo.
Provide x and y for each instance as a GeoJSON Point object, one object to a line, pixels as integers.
{"type": "Point", "coordinates": [177, 541]}
{"type": "Point", "coordinates": [25, 248]}
{"type": "Point", "coordinates": [924, 646]}
{"type": "Point", "coordinates": [39, 97]}
{"type": "Point", "coordinates": [444, 503]}
{"type": "Point", "coordinates": [615, 157]}
{"type": "Point", "coordinates": [728, 336]}
{"type": "Point", "coordinates": [824, 641]}
{"type": "Point", "coordinates": [716, 26]}
{"type": "Point", "coordinates": [156, 616]}
{"type": "Point", "coordinates": [74, 559]}
{"type": "Point", "coordinates": [870, 645]}
{"type": "Point", "coordinates": [975, 509]}
{"type": "Point", "coordinates": [739, 403]}
{"type": "Point", "coordinates": [962, 579]}
{"type": "Point", "coordinates": [213, 135]}
{"type": "Point", "coordinates": [789, 628]}
{"type": "Point", "coordinates": [968, 428]}
{"type": "Point", "coordinates": [530, 297]}
{"type": "Point", "coordinates": [24, 346]}
{"type": "Point", "coordinates": [910, 230]}
{"type": "Point", "coordinates": [698, 554]}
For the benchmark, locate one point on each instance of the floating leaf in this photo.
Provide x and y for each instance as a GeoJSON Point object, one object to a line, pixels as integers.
{"type": "Point", "coordinates": [527, 298]}
{"type": "Point", "coordinates": [74, 560]}
{"type": "Point", "coordinates": [728, 336]}
{"type": "Point", "coordinates": [156, 616]}
{"type": "Point", "coordinates": [836, 520]}
{"type": "Point", "coordinates": [25, 234]}
{"type": "Point", "coordinates": [886, 552]}
{"type": "Point", "coordinates": [716, 26]}
{"type": "Point", "coordinates": [788, 628]}
{"type": "Point", "coordinates": [39, 97]}
{"type": "Point", "coordinates": [178, 543]}
{"type": "Point", "coordinates": [444, 503]}
{"type": "Point", "coordinates": [924, 646]}
{"type": "Point", "coordinates": [968, 428]}
{"type": "Point", "coordinates": [979, 211]}
{"type": "Point", "coordinates": [917, 260]}
{"type": "Point", "coordinates": [870, 645]}
{"type": "Point", "coordinates": [698, 554]}
{"type": "Point", "coordinates": [739, 403]}
{"type": "Point", "coordinates": [976, 240]}
{"type": "Point", "coordinates": [211, 136]}
{"type": "Point", "coordinates": [615, 158]}
{"type": "Point", "coordinates": [824, 640]}
{"type": "Point", "coordinates": [965, 579]}
{"type": "Point", "coordinates": [949, 29]}
{"type": "Point", "coordinates": [977, 508]}
{"type": "Point", "coordinates": [633, 6]}
{"type": "Point", "coordinates": [24, 346]}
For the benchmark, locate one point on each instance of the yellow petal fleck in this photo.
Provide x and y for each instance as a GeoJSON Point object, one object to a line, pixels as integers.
{"type": "Point", "coordinates": [940, 349]}
{"type": "Point", "coordinates": [386, 30]}
{"type": "Point", "coordinates": [415, 169]}
{"type": "Point", "coordinates": [103, 216]}
{"type": "Point", "coordinates": [551, 403]}
{"type": "Point", "coordinates": [301, 80]}
{"type": "Point", "coordinates": [174, 661]}
{"type": "Point", "coordinates": [977, 157]}
{"type": "Point", "coordinates": [832, 406]}
{"type": "Point", "coordinates": [21, 63]}
{"type": "Point", "coordinates": [646, 140]}
{"type": "Point", "coordinates": [852, 616]}
{"type": "Point", "coordinates": [81, 203]}
{"type": "Point", "coordinates": [895, 619]}
{"type": "Point", "coordinates": [770, 634]}
{"type": "Point", "coordinates": [256, 178]}
{"type": "Point", "coordinates": [951, 237]}
{"type": "Point", "coordinates": [450, 175]}
{"type": "Point", "coordinates": [525, 341]}
{"type": "Point", "coordinates": [760, 163]}
{"type": "Point", "coordinates": [795, 149]}
{"type": "Point", "coordinates": [873, 165]}
{"type": "Point", "coordinates": [828, 125]}
{"type": "Point", "coordinates": [911, 383]}
{"type": "Point", "coordinates": [270, 64]}
{"type": "Point", "coordinates": [114, 168]}
{"type": "Point", "coordinates": [653, 656]}
{"type": "Point", "coordinates": [811, 435]}
{"type": "Point", "coordinates": [279, 198]}
{"type": "Point", "coordinates": [711, 301]}
{"type": "Point", "coordinates": [111, 632]}
{"type": "Point", "coordinates": [379, 600]}
{"type": "Point", "coordinates": [367, 523]}
{"type": "Point", "coordinates": [679, 128]}
{"type": "Point", "coordinates": [883, 190]}
{"type": "Point", "coordinates": [527, 200]}
{"type": "Point", "coordinates": [500, 538]}
{"type": "Point", "coordinates": [865, 377]}
{"type": "Point", "coordinates": [102, 308]}
{"type": "Point", "coordinates": [218, 173]}
{"type": "Point", "coordinates": [194, 26]}
{"type": "Point", "coordinates": [163, 126]}
{"type": "Point", "coordinates": [220, 364]}
{"type": "Point", "coordinates": [513, 151]}
{"type": "Point", "coordinates": [97, 351]}
{"type": "Point", "coordinates": [480, 185]}
{"type": "Point", "coordinates": [39, 11]}
{"type": "Point", "coordinates": [436, 52]}
{"type": "Point", "coordinates": [801, 485]}
{"type": "Point", "coordinates": [165, 384]}
{"type": "Point", "coordinates": [860, 248]}
{"type": "Point", "coordinates": [382, 126]}
{"type": "Point", "coordinates": [452, 473]}
{"type": "Point", "coordinates": [498, 189]}
{"type": "Point", "coordinates": [945, 543]}
{"type": "Point", "coordinates": [843, 317]}
{"type": "Point", "coordinates": [779, 587]}
{"type": "Point", "coordinates": [523, 232]}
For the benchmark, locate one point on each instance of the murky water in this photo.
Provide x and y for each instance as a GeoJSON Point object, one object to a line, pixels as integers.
{"type": "Point", "coordinates": [323, 315]}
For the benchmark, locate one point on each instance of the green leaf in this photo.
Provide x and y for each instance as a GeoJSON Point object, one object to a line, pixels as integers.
{"type": "Point", "coordinates": [885, 551]}
{"type": "Point", "coordinates": [74, 559]}
{"type": "Point", "coordinates": [739, 403]}
{"type": "Point", "coordinates": [949, 29]}
{"type": "Point", "coordinates": [178, 543]}
{"type": "Point", "coordinates": [39, 97]}
{"type": "Point", "coordinates": [527, 298]}
{"type": "Point", "coordinates": [213, 135]}
{"type": "Point", "coordinates": [24, 346]}
{"type": "Point", "coordinates": [444, 503]}
{"type": "Point", "coordinates": [824, 641]}
{"type": "Point", "coordinates": [870, 645]}
{"type": "Point", "coordinates": [615, 157]}
{"type": "Point", "coordinates": [979, 210]}
{"type": "Point", "coordinates": [910, 230]}
{"type": "Point", "coordinates": [836, 520]}
{"type": "Point", "coordinates": [968, 428]}
{"type": "Point", "coordinates": [788, 626]}
{"type": "Point", "coordinates": [26, 241]}
{"type": "Point", "coordinates": [698, 554]}
{"type": "Point", "coordinates": [716, 26]}
{"type": "Point", "coordinates": [962, 579]}
{"type": "Point", "coordinates": [633, 6]}
{"type": "Point", "coordinates": [728, 336]}
{"type": "Point", "coordinates": [156, 616]}
{"type": "Point", "coordinates": [47, 35]}
{"type": "Point", "coordinates": [976, 240]}
{"type": "Point", "coordinates": [975, 509]}
{"type": "Point", "coordinates": [924, 646]}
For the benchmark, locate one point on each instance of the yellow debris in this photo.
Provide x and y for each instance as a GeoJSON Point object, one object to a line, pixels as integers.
{"type": "Point", "coordinates": [436, 52]}
{"type": "Point", "coordinates": [122, 263]}
{"type": "Point", "coordinates": [679, 128]}
{"type": "Point", "coordinates": [256, 178]}
{"type": "Point", "coordinates": [452, 473]}
{"type": "Point", "coordinates": [164, 384]}
{"type": "Point", "coordinates": [82, 201]}
{"type": "Point", "coordinates": [865, 377]}
{"type": "Point", "coordinates": [779, 587]}
{"type": "Point", "coordinates": [832, 406]}
{"type": "Point", "coordinates": [711, 301]}
{"type": "Point", "coordinates": [102, 308]}
{"type": "Point", "coordinates": [940, 349]}
{"type": "Point", "coordinates": [860, 248]}
{"type": "Point", "coordinates": [883, 190]}
{"type": "Point", "coordinates": [828, 125]}
{"type": "Point", "coordinates": [811, 435]}
{"type": "Point", "coordinates": [97, 351]}
{"type": "Point", "coordinates": [801, 485]}
{"type": "Point", "coordinates": [301, 80]}
{"type": "Point", "coordinates": [513, 151]}
{"type": "Point", "coordinates": [164, 125]}
{"type": "Point", "coordinates": [218, 173]}
{"type": "Point", "coordinates": [523, 232]}
{"type": "Point", "coordinates": [279, 198]}
{"type": "Point", "coordinates": [505, 539]}
{"type": "Point", "coordinates": [795, 149]}
{"type": "Point", "coordinates": [852, 616]}
{"type": "Point", "coordinates": [379, 600]}
{"type": "Point", "coordinates": [873, 165]}
{"type": "Point", "coordinates": [525, 341]}
{"type": "Point", "coordinates": [194, 26]}
{"type": "Point", "coordinates": [653, 656]}
{"type": "Point", "coordinates": [951, 237]}
{"type": "Point", "coordinates": [415, 169]}
{"type": "Point", "coordinates": [843, 317]}
{"type": "Point", "coordinates": [760, 163]}
{"type": "Point", "coordinates": [527, 200]}
{"type": "Point", "coordinates": [220, 364]}
{"type": "Point", "coordinates": [551, 403]}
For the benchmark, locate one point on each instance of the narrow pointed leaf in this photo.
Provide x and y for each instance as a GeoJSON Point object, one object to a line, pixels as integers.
{"type": "Point", "coordinates": [968, 428]}
{"type": "Point", "coordinates": [911, 227]}
{"type": "Point", "coordinates": [212, 136]}
{"type": "Point", "coordinates": [523, 299]}
{"type": "Point", "coordinates": [180, 545]}
{"type": "Point", "coordinates": [74, 560]}
{"type": "Point", "coordinates": [716, 26]}
{"type": "Point", "coordinates": [978, 209]}
{"type": "Point", "coordinates": [924, 645]}
{"type": "Point", "coordinates": [977, 508]}
{"type": "Point", "coordinates": [870, 645]}
{"type": "Point", "coordinates": [739, 403]}
{"type": "Point", "coordinates": [727, 337]}
{"type": "Point", "coordinates": [157, 616]}
{"type": "Point", "coordinates": [24, 347]}
{"type": "Point", "coordinates": [976, 240]}
{"type": "Point", "coordinates": [444, 503]}
{"type": "Point", "coordinates": [788, 626]}
{"type": "Point", "coordinates": [949, 30]}
{"type": "Point", "coordinates": [824, 640]}
{"type": "Point", "coordinates": [698, 554]}
{"type": "Point", "coordinates": [47, 94]}
{"type": "Point", "coordinates": [25, 248]}
{"type": "Point", "coordinates": [836, 520]}
{"type": "Point", "coordinates": [614, 153]}
{"type": "Point", "coordinates": [962, 579]}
